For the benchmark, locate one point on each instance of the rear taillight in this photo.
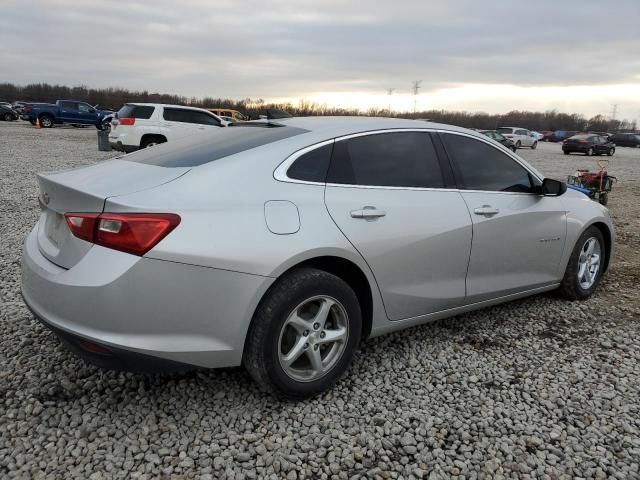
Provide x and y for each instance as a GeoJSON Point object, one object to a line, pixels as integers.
{"type": "Point", "coordinates": [134, 233]}
{"type": "Point", "coordinates": [127, 121]}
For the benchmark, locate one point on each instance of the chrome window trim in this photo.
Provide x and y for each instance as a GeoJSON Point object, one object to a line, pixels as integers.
{"type": "Point", "coordinates": [280, 173]}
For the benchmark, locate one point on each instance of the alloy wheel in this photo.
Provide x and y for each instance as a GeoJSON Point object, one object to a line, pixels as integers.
{"type": "Point", "coordinates": [589, 263]}
{"type": "Point", "coordinates": [313, 338]}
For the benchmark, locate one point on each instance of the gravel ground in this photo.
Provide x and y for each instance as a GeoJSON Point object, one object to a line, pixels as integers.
{"type": "Point", "coordinates": [538, 388]}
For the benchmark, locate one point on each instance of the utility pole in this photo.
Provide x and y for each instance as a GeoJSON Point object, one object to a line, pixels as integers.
{"type": "Point", "coordinates": [390, 92]}
{"type": "Point", "coordinates": [415, 89]}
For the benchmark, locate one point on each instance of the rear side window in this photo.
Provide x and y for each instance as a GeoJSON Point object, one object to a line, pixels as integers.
{"type": "Point", "coordinates": [505, 130]}
{"type": "Point", "coordinates": [397, 159]}
{"type": "Point", "coordinates": [312, 166]}
{"type": "Point", "coordinates": [142, 112]}
{"type": "Point", "coordinates": [69, 106]}
{"type": "Point", "coordinates": [479, 166]}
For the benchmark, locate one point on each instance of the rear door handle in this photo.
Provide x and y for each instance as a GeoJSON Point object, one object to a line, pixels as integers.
{"type": "Point", "coordinates": [369, 213]}
{"type": "Point", "coordinates": [486, 210]}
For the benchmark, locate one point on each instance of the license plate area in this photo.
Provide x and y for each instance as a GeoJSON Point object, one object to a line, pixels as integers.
{"type": "Point", "coordinates": [56, 228]}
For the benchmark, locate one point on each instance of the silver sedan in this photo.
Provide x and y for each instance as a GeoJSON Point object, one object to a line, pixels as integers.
{"type": "Point", "coordinates": [281, 246]}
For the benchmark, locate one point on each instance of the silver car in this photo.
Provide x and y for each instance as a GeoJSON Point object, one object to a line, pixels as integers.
{"type": "Point", "coordinates": [281, 246]}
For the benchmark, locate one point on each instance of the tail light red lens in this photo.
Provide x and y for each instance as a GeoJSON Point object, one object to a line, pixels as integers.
{"type": "Point", "coordinates": [127, 121]}
{"type": "Point", "coordinates": [134, 233]}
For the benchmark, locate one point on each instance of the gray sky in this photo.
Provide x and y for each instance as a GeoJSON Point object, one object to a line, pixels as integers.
{"type": "Point", "coordinates": [474, 55]}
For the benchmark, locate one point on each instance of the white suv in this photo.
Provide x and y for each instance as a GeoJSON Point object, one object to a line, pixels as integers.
{"type": "Point", "coordinates": [141, 125]}
{"type": "Point", "coordinates": [521, 137]}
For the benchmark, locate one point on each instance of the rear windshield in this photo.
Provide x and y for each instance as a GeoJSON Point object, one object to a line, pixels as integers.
{"type": "Point", "coordinates": [136, 111]}
{"type": "Point", "coordinates": [222, 142]}
{"type": "Point", "coordinates": [505, 130]}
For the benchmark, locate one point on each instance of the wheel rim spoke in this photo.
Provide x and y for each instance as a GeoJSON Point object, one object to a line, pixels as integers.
{"type": "Point", "coordinates": [299, 324]}
{"type": "Point", "coordinates": [315, 359]}
{"type": "Point", "coordinates": [295, 352]}
{"type": "Point", "coordinates": [323, 312]}
{"type": "Point", "coordinates": [332, 336]}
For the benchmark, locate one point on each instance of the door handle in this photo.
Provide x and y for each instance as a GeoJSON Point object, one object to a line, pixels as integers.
{"type": "Point", "coordinates": [368, 213]}
{"type": "Point", "coordinates": [486, 210]}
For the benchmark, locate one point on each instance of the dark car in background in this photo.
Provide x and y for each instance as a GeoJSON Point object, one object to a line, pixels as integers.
{"type": "Point", "coordinates": [498, 137]}
{"type": "Point", "coordinates": [7, 113]}
{"type": "Point", "coordinates": [589, 145]}
{"type": "Point", "coordinates": [626, 139]}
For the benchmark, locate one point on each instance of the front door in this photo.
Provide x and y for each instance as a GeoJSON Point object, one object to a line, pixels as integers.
{"type": "Point", "coordinates": [518, 234]}
{"type": "Point", "coordinates": [385, 193]}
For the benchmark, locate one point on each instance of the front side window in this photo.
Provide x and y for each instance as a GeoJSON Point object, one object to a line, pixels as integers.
{"type": "Point", "coordinates": [84, 108]}
{"type": "Point", "coordinates": [480, 166]}
{"type": "Point", "coordinates": [202, 118]}
{"type": "Point", "coordinates": [395, 159]}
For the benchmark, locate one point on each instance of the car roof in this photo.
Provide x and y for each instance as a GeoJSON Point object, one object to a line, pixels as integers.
{"type": "Point", "coordinates": [330, 127]}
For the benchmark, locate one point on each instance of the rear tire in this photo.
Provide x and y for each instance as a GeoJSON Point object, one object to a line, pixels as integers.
{"type": "Point", "coordinates": [7, 117]}
{"type": "Point", "coordinates": [566, 152]}
{"type": "Point", "coordinates": [286, 338]}
{"type": "Point", "coordinates": [152, 141]}
{"type": "Point", "coordinates": [574, 285]}
{"type": "Point", "coordinates": [46, 121]}
{"type": "Point", "coordinates": [518, 144]}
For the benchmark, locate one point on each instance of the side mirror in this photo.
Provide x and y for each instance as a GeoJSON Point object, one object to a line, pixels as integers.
{"type": "Point", "coordinates": [553, 188]}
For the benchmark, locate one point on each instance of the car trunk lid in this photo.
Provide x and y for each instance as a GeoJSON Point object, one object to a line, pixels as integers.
{"type": "Point", "coordinates": [84, 190]}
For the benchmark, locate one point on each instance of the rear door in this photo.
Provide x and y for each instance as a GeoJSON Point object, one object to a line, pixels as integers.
{"type": "Point", "coordinates": [68, 112]}
{"type": "Point", "coordinates": [518, 235]}
{"type": "Point", "coordinates": [386, 192]}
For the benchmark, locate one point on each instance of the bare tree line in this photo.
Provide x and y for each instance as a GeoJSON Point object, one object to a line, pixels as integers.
{"type": "Point", "coordinates": [114, 98]}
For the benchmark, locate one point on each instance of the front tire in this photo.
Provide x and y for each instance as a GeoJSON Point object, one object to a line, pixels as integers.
{"type": "Point", "coordinates": [7, 117]}
{"type": "Point", "coordinates": [585, 266]}
{"type": "Point", "coordinates": [611, 151]}
{"type": "Point", "coordinates": [518, 144]}
{"type": "Point", "coordinates": [303, 334]}
{"type": "Point", "coordinates": [589, 152]}
{"type": "Point", "coordinates": [535, 144]}
{"type": "Point", "coordinates": [566, 152]}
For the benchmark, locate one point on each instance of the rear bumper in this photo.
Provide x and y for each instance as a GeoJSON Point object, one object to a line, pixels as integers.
{"type": "Point", "coordinates": [575, 148]}
{"type": "Point", "coordinates": [144, 311]}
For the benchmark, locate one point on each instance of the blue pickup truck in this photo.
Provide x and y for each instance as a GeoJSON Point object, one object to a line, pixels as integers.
{"type": "Point", "coordinates": [67, 111]}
